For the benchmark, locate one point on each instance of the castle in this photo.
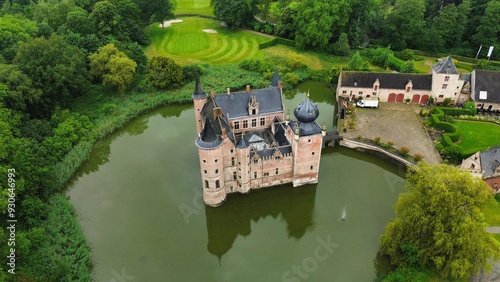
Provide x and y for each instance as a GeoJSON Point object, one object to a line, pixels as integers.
{"type": "Point", "coordinates": [245, 142]}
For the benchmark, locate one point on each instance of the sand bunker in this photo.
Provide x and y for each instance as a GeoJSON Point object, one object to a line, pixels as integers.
{"type": "Point", "coordinates": [210, 31]}
{"type": "Point", "coordinates": [169, 23]}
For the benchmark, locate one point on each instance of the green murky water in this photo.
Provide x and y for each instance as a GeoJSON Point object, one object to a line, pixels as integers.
{"type": "Point", "coordinates": [139, 200]}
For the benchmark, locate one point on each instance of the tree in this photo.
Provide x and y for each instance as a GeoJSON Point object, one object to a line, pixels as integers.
{"type": "Point", "coordinates": [57, 68]}
{"type": "Point", "coordinates": [285, 26]}
{"type": "Point", "coordinates": [488, 32]}
{"type": "Point", "coordinates": [13, 32]}
{"type": "Point", "coordinates": [405, 24]}
{"type": "Point", "coordinates": [358, 63]}
{"type": "Point", "coordinates": [54, 13]}
{"type": "Point", "coordinates": [408, 67]}
{"type": "Point", "coordinates": [318, 21]}
{"type": "Point", "coordinates": [164, 73]}
{"type": "Point", "coordinates": [20, 90]}
{"type": "Point", "coordinates": [154, 10]}
{"type": "Point", "coordinates": [358, 21]}
{"type": "Point", "coordinates": [451, 22]}
{"type": "Point", "coordinates": [341, 47]}
{"type": "Point", "coordinates": [106, 18]}
{"type": "Point", "coordinates": [235, 12]}
{"type": "Point", "coordinates": [439, 224]}
{"type": "Point", "coordinates": [113, 67]}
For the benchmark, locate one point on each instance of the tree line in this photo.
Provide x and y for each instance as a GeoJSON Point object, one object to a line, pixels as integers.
{"type": "Point", "coordinates": [452, 26]}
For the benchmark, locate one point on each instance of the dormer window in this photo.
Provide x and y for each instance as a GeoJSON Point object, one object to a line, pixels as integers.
{"type": "Point", "coordinates": [375, 88]}
{"type": "Point", "coordinates": [408, 89]}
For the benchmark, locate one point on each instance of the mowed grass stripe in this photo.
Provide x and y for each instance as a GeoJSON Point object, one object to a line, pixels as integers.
{"type": "Point", "coordinates": [217, 46]}
{"type": "Point", "coordinates": [235, 46]}
{"type": "Point", "coordinates": [186, 42]}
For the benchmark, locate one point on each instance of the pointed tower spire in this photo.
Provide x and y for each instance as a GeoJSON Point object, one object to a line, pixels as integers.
{"type": "Point", "coordinates": [198, 90]}
{"type": "Point", "coordinates": [276, 78]}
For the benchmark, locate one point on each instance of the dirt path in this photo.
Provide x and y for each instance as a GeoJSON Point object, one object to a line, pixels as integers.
{"type": "Point", "coordinates": [398, 123]}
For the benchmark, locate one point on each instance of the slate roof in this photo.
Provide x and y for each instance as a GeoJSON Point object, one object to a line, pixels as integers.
{"type": "Point", "coordinates": [445, 66]}
{"type": "Point", "coordinates": [306, 129]}
{"type": "Point", "coordinates": [490, 160]}
{"type": "Point", "coordinates": [306, 111]}
{"type": "Point", "coordinates": [488, 81]}
{"type": "Point", "coordinates": [387, 80]}
{"type": "Point", "coordinates": [236, 103]}
{"type": "Point", "coordinates": [198, 91]}
{"type": "Point", "coordinates": [208, 138]}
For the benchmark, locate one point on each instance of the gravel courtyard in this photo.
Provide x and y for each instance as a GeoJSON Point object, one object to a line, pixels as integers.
{"type": "Point", "coordinates": [398, 123]}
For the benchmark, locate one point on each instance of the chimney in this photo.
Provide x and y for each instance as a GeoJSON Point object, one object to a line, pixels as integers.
{"type": "Point", "coordinates": [212, 94]}
{"type": "Point", "coordinates": [228, 91]}
{"type": "Point", "coordinates": [248, 88]}
{"type": "Point", "coordinates": [217, 112]}
{"type": "Point", "coordinates": [227, 115]}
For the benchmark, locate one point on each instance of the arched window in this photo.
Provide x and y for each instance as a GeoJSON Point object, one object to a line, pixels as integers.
{"type": "Point", "coordinates": [217, 184]}
{"type": "Point", "coordinates": [206, 185]}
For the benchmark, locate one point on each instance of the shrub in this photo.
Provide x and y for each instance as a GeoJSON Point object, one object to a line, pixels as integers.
{"type": "Point", "coordinates": [447, 101]}
{"type": "Point", "coordinates": [456, 111]}
{"type": "Point", "coordinates": [377, 140]}
{"type": "Point", "coordinates": [418, 157]}
{"type": "Point", "coordinates": [390, 143]}
{"type": "Point", "coordinates": [471, 106]}
{"type": "Point", "coordinates": [386, 146]}
{"type": "Point", "coordinates": [452, 154]}
{"type": "Point", "coordinates": [359, 137]}
{"type": "Point", "coordinates": [295, 61]}
{"type": "Point", "coordinates": [405, 55]}
{"type": "Point", "coordinates": [404, 151]}
{"type": "Point", "coordinates": [191, 72]}
{"type": "Point", "coordinates": [351, 124]}
{"type": "Point", "coordinates": [497, 197]}
{"type": "Point", "coordinates": [291, 79]}
{"type": "Point", "coordinates": [251, 65]}
{"type": "Point", "coordinates": [423, 112]}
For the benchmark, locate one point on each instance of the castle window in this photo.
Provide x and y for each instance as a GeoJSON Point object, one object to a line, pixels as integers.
{"type": "Point", "coordinates": [311, 167]}
{"type": "Point", "coordinates": [205, 171]}
{"type": "Point", "coordinates": [277, 171]}
{"type": "Point", "coordinates": [234, 175]}
{"type": "Point", "coordinates": [232, 160]}
{"type": "Point", "coordinates": [266, 174]}
{"type": "Point", "coordinates": [374, 93]}
{"type": "Point", "coordinates": [408, 89]}
{"type": "Point", "coordinates": [204, 161]}
{"type": "Point", "coordinates": [472, 166]}
{"type": "Point", "coordinates": [216, 160]}
{"type": "Point", "coordinates": [367, 96]}
{"type": "Point", "coordinates": [262, 121]}
{"type": "Point", "coordinates": [277, 157]}
{"type": "Point", "coordinates": [444, 86]}
{"type": "Point", "coordinates": [216, 171]}
{"type": "Point", "coordinates": [309, 140]}
{"type": "Point", "coordinates": [254, 111]}
{"type": "Point", "coordinates": [446, 78]}
{"type": "Point", "coordinates": [232, 151]}
{"type": "Point", "coordinates": [254, 122]}
{"type": "Point", "coordinates": [255, 161]}
{"type": "Point", "coordinates": [312, 153]}
{"type": "Point", "coordinates": [441, 96]}
{"type": "Point", "coordinates": [206, 185]}
{"type": "Point", "coordinates": [360, 92]}
{"type": "Point", "coordinates": [375, 87]}
{"type": "Point", "coordinates": [217, 184]}
{"type": "Point", "coordinates": [255, 175]}
{"type": "Point", "coordinates": [344, 92]}
{"type": "Point", "coordinates": [236, 125]}
{"type": "Point", "coordinates": [245, 124]}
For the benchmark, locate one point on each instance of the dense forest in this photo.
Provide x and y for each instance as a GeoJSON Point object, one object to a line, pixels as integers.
{"type": "Point", "coordinates": [57, 57]}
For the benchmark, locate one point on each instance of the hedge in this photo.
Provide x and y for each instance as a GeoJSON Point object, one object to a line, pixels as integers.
{"type": "Point", "coordinates": [455, 112]}
{"type": "Point", "coordinates": [277, 40]}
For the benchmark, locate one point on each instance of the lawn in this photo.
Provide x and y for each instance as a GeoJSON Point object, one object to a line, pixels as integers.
{"type": "Point", "coordinates": [492, 213]}
{"type": "Point", "coordinates": [199, 7]}
{"type": "Point", "coordinates": [187, 43]}
{"type": "Point", "coordinates": [478, 136]}
{"type": "Point", "coordinates": [313, 60]}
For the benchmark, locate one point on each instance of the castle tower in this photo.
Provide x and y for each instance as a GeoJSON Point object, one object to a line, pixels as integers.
{"type": "Point", "coordinates": [446, 80]}
{"type": "Point", "coordinates": [243, 158]}
{"type": "Point", "coordinates": [199, 100]}
{"type": "Point", "coordinates": [211, 154]}
{"type": "Point", "coordinates": [306, 144]}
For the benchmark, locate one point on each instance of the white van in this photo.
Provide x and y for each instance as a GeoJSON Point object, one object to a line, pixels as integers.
{"type": "Point", "coordinates": [367, 104]}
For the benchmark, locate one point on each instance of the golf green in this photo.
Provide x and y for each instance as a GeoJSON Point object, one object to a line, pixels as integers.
{"type": "Point", "coordinates": [199, 40]}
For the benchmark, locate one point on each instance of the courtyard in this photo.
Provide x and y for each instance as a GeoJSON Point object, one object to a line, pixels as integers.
{"type": "Point", "coordinates": [397, 123]}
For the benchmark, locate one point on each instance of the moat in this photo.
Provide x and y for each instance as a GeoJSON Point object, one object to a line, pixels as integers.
{"type": "Point", "coordinates": [139, 201]}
